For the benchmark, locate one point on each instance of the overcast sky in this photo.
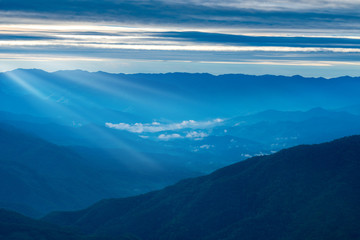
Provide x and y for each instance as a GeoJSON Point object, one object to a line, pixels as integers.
{"type": "Point", "coordinates": [310, 38]}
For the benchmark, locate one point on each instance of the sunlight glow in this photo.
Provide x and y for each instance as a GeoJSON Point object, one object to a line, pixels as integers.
{"type": "Point", "coordinates": [23, 83]}
{"type": "Point", "coordinates": [76, 113]}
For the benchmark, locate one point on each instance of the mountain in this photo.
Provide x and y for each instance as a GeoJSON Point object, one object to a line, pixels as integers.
{"type": "Point", "coordinates": [14, 226]}
{"type": "Point", "coordinates": [37, 177]}
{"type": "Point", "coordinates": [305, 192]}
{"type": "Point", "coordinates": [289, 116]}
{"type": "Point", "coordinates": [104, 97]}
{"type": "Point", "coordinates": [353, 109]}
{"type": "Point", "coordinates": [191, 154]}
{"type": "Point", "coordinates": [64, 155]}
{"type": "Point", "coordinates": [164, 114]}
{"type": "Point", "coordinates": [281, 129]}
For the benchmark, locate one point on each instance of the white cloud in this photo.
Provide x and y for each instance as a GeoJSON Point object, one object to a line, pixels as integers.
{"type": "Point", "coordinates": [166, 137]}
{"type": "Point", "coordinates": [246, 155]}
{"type": "Point", "coordinates": [279, 5]}
{"type": "Point", "coordinates": [206, 146]}
{"type": "Point", "coordinates": [196, 135]}
{"type": "Point", "coordinates": [128, 41]}
{"type": "Point", "coordinates": [158, 127]}
{"type": "Point", "coordinates": [173, 47]}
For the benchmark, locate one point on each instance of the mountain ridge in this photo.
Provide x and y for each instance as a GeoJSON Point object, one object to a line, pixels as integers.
{"type": "Point", "coordinates": [170, 73]}
{"type": "Point", "coordinates": [281, 196]}
{"type": "Point", "coordinates": [37, 176]}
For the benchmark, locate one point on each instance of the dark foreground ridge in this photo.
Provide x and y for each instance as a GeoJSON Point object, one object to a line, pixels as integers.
{"type": "Point", "coordinates": [14, 226]}
{"type": "Point", "coordinates": [305, 192]}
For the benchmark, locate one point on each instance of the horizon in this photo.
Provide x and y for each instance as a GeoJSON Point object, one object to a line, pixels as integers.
{"type": "Point", "coordinates": [160, 73]}
{"type": "Point", "coordinates": [237, 36]}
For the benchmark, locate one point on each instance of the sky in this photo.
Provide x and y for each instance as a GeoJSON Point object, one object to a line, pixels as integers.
{"type": "Point", "coordinates": [281, 37]}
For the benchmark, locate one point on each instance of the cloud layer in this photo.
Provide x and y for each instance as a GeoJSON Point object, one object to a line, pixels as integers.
{"type": "Point", "coordinates": [166, 137]}
{"type": "Point", "coordinates": [118, 35]}
{"type": "Point", "coordinates": [158, 127]}
{"type": "Point", "coordinates": [176, 10]}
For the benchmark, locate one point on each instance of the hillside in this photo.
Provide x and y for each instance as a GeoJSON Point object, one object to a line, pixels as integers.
{"type": "Point", "coordinates": [305, 192]}
{"type": "Point", "coordinates": [14, 226]}
{"type": "Point", "coordinates": [37, 177]}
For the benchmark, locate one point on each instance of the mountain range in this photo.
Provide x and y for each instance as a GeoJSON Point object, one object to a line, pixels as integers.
{"type": "Point", "coordinates": [37, 176]}
{"type": "Point", "coordinates": [99, 97]}
{"type": "Point", "coordinates": [304, 192]}
{"type": "Point", "coordinates": [71, 138]}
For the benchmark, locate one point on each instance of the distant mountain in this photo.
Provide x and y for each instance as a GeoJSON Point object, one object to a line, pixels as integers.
{"type": "Point", "coordinates": [353, 109]}
{"type": "Point", "coordinates": [288, 116]}
{"type": "Point", "coordinates": [305, 192]}
{"type": "Point", "coordinates": [199, 155]}
{"type": "Point", "coordinates": [37, 176]}
{"type": "Point", "coordinates": [104, 97]}
{"type": "Point", "coordinates": [281, 129]}
{"type": "Point", "coordinates": [72, 108]}
{"type": "Point", "coordinates": [41, 176]}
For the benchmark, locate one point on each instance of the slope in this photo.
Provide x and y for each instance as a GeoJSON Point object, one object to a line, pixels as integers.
{"type": "Point", "coordinates": [305, 192]}
{"type": "Point", "coordinates": [14, 226]}
{"type": "Point", "coordinates": [37, 177]}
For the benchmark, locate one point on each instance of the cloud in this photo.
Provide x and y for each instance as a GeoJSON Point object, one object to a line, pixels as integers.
{"type": "Point", "coordinates": [178, 47]}
{"type": "Point", "coordinates": [274, 5]}
{"type": "Point", "coordinates": [177, 35]}
{"type": "Point", "coordinates": [196, 135]}
{"type": "Point", "coordinates": [206, 146]}
{"type": "Point", "coordinates": [158, 127]}
{"type": "Point", "coordinates": [99, 45]}
{"type": "Point", "coordinates": [14, 37]}
{"type": "Point", "coordinates": [253, 40]}
{"type": "Point", "coordinates": [166, 137]}
{"type": "Point", "coordinates": [166, 10]}
{"type": "Point", "coordinates": [194, 13]}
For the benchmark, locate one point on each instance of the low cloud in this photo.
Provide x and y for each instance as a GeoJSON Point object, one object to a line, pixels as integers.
{"type": "Point", "coordinates": [166, 137]}
{"type": "Point", "coordinates": [158, 127]}
{"type": "Point", "coordinates": [206, 146]}
{"type": "Point", "coordinates": [196, 135]}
